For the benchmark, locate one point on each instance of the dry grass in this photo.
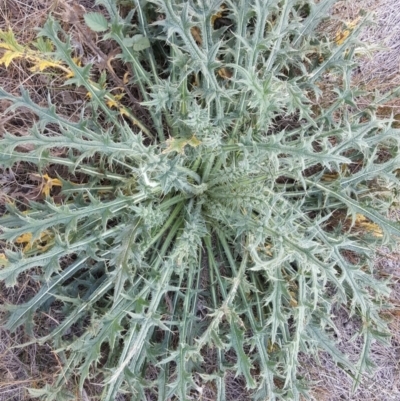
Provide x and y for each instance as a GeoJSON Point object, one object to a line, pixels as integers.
{"type": "Point", "coordinates": [378, 70]}
{"type": "Point", "coordinates": [33, 366]}
{"type": "Point", "coordinates": [332, 384]}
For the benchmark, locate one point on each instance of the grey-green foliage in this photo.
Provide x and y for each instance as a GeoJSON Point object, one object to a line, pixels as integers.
{"type": "Point", "coordinates": [170, 248]}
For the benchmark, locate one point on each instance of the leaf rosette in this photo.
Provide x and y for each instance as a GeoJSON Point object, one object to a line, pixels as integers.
{"type": "Point", "coordinates": [230, 212]}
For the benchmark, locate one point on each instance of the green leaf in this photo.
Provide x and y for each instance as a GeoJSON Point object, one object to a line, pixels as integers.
{"type": "Point", "coordinates": [96, 22]}
{"type": "Point", "coordinates": [141, 44]}
{"type": "Point", "coordinates": [137, 42]}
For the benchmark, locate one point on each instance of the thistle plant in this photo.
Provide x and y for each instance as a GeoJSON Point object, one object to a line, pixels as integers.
{"type": "Point", "coordinates": [230, 209]}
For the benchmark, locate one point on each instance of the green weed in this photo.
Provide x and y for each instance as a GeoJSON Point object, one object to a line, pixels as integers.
{"type": "Point", "coordinates": [238, 203]}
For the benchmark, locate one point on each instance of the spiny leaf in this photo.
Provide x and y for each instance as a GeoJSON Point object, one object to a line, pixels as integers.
{"type": "Point", "coordinates": [41, 65]}
{"type": "Point", "coordinates": [9, 41]}
{"type": "Point", "coordinates": [8, 57]}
